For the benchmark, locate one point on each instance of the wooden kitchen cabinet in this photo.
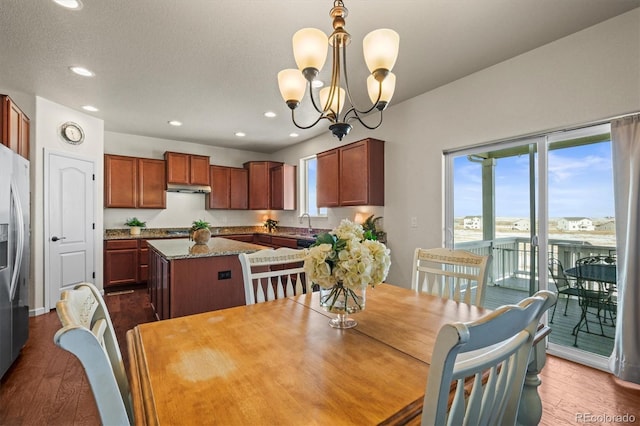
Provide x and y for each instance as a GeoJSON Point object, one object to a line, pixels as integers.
{"type": "Point", "coordinates": [152, 178]}
{"type": "Point", "coordinates": [14, 127]}
{"type": "Point", "coordinates": [283, 187]}
{"type": "Point", "coordinates": [229, 188]}
{"type": "Point", "coordinates": [187, 169]}
{"type": "Point", "coordinates": [132, 182]}
{"type": "Point", "coordinates": [328, 180]}
{"type": "Point", "coordinates": [360, 175]}
{"type": "Point", "coordinates": [121, 263]}
{"type": "Point", "coordinates": [272, 185]}
{"type": "Point", "coordinates": [120, 181]}
{"type": "Point", "coordinates": [180, 287]}
{"type": "Point", "coordinates": [259, 184]}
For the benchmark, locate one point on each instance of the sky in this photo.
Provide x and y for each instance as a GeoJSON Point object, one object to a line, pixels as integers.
{"type": "Point", "coordinates": [580, 184]}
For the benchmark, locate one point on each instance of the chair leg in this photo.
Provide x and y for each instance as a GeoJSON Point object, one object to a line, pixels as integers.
{"type": "Point", "coordinates": [554, 313]}
{"type": "Point", "coordinates": [566, 305]}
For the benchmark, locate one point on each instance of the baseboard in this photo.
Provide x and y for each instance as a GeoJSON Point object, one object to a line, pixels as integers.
{"type": "Point", "coordinates": [38, 311]}
{"type": "Point", "coordinates": [581, 357]}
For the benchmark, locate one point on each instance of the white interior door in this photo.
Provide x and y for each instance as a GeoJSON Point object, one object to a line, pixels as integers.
{"type": "Point", "coordinates": [69, 223]}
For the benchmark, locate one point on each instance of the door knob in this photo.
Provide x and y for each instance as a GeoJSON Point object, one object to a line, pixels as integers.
{"type": "Point", "coordinates": [54, 238]}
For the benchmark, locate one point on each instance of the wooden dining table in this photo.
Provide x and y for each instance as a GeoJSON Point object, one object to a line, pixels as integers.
{"type": "Point", "coordinates": [281, 363]}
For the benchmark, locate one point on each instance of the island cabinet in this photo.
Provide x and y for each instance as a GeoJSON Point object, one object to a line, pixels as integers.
{"type": "Point", "coordinates": [14, 127]}
{"type": "Point", "coordinates": [187, 284]}
{"type": "Point", "coordinates": [229, 188]}
{"type": "Point", "coordinates": [131, 182]}
{"type": "Point", "coordinates": [187, 169]}
{"type": "Point", "coordinates": [352, 175]}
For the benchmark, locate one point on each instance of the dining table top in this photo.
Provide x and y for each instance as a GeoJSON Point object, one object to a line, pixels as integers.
{"type": "Point", "coordinates": [280, 362]}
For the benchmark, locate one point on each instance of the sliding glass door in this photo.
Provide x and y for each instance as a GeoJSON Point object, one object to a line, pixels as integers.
{"type": "Point", "coordinates": [533, 204]}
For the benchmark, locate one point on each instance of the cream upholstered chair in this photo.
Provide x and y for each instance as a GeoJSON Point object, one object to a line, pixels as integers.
{"type": "Point", "coordinates": [457, 274]}
{"type": "Point", "coordinates": [487, 360]}
{"type": "Point", "coordinates": [273, 274]}
{"type": "Point", "coordinates": [87, 332]}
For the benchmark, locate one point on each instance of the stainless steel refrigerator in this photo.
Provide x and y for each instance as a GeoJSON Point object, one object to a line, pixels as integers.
{"type": "Point", "coordinates": [14, 256]}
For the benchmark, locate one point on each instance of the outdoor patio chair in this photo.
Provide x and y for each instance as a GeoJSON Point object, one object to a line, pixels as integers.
{"type": "Point", "coordinates": [565, 285]}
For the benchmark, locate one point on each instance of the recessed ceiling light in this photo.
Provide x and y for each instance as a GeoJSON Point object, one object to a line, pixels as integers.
{"type": "Point", "coordinates": [175, 123]}
{"type": "Point", "coordinates": [317, 83]}
{"type": "Point", "coordinates": [270, 114]}
{"type": "Point", "coordinates": [293, 135]}
{"type": "Point", "coordinates": [82, 71]}
{"type": "Point", "coordinates": [90, 108]}
{"type": "Point", "coordinates": [70, 4]}
{"type": "Point", "coordinates": [241, 134]}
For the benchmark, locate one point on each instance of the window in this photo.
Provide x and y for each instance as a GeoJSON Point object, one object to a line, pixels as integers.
{"type": "Point", "coordinates": [308, 177]}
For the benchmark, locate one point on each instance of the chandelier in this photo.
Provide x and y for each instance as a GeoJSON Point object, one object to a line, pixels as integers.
{"type": "Point", "coordinates": [310, 52]}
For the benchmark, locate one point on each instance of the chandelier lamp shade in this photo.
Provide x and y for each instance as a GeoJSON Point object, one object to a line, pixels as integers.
{"type": "Point", "coordinates": [335, 103]}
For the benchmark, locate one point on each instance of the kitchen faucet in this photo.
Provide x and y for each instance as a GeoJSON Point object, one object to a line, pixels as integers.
{"type": "Point", "coordinates": [308, 217]}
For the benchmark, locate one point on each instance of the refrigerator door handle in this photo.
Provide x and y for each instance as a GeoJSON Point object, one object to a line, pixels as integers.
{"type": "Point", "coordinates": [20, 245]}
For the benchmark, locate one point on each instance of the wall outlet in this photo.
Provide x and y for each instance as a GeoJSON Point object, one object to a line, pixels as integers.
{"type": "Point", "coordinates": [414, 222]}
{"type": "Point", "coordinates": [224, 275]}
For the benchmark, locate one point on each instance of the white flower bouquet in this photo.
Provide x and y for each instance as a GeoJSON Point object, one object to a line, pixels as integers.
{"type": "Point", "coordinates": [345, 261]}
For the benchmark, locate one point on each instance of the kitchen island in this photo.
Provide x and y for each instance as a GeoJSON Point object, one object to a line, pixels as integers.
{"type": "Point", "coordinates": [187, 278]}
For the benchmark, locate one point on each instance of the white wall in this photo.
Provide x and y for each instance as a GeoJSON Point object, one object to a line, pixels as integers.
{"type": "Point", "coordinates": [49, 117]}
{"type": "Point", "coordinates": [182, 209]}
{"type": "Point", "coordinates": [588, 76]}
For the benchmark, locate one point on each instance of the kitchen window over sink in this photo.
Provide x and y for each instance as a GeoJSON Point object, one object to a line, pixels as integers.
{"type": "Point", "coordinates": [308, 192]}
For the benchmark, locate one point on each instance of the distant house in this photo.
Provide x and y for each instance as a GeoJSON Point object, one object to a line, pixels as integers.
{"type": "Point", "coordinates": [606, 226]}
{"type": "Point", "coordinates": [472, 222]}
{"type": "Point", "coordinates": [521, 225]}
{"type": "Point", "coordinates": [575, 224]}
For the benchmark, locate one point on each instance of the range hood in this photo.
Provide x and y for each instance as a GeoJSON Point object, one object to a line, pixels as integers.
{"type": "Point", "coordinates": [194, 189]}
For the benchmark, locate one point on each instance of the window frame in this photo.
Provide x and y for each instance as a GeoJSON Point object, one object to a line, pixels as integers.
{"type": "Point", "coordinates": [303, 192]}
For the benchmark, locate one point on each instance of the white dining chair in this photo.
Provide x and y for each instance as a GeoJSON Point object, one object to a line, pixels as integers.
{"type": "Point", "coordinates": [456, 274]}
{"type": "Point", "coordinates": [273, 274]}
{"type": "Point", "coordinates": [486, 360]}
{"type": "Point", "coordinates": [87, 332]}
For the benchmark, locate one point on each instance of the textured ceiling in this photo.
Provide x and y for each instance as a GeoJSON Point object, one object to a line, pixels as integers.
{"type": "Point", "coordinates": [212, 64]}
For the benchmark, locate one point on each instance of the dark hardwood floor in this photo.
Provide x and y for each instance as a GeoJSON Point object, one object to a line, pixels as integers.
{"type": "Point", "coordinates": [47, 386]}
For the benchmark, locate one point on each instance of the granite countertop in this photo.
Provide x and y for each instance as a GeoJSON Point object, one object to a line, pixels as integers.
{"type": "Point", "coordinates": [184, 248]}
{"type": "Point", "coordinates": [158, 233]}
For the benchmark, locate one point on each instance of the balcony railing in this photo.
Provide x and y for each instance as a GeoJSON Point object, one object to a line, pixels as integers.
{"type": "Point", "coordinates": [511, 265]}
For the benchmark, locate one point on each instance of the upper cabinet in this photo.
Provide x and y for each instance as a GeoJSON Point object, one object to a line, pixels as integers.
{"type": "Point", "coordinates": [187, 169]}
{"type": "Point", "coordinates": [271, 185]}
{"type": "Point", "coordinates": [352, 175]}
{"type": "Point", "coordinates": [131, 182]}
{"type": "Point", "coordinates": [229, 188]}
{"type": "Point", "coordinates": [14, 125]}
{"type": "Point", "coordinates": [283, 187]}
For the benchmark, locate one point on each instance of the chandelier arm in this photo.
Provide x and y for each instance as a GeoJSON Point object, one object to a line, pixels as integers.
{"type": "Point", "coordinates": [353, 105]}
{"type": "Point", "coordinates": [356, 116]}
{"type": "Point", "coordinates": [293, 118]}
{"type": "Point", "coordinates": [313, 101]}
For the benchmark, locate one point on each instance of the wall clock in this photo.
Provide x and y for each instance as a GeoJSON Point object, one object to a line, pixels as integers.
{"type": "Point", "coordinates": [72, 133]}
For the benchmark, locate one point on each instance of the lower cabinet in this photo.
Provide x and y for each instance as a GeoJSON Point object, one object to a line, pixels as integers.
{"type": "Point", "coordinates": [180, 287]}
{"type": "Point", "coordinates": [121, 262]}
{"type": "Point", "coordinates": [126, 262]}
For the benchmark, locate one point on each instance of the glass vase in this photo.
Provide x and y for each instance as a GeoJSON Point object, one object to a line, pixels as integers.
{"type": "Point", "coordinates": [343, 301]}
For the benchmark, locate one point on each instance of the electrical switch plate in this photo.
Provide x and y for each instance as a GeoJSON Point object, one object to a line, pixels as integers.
{"type": "Point", "coordinates": [414, 222]}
